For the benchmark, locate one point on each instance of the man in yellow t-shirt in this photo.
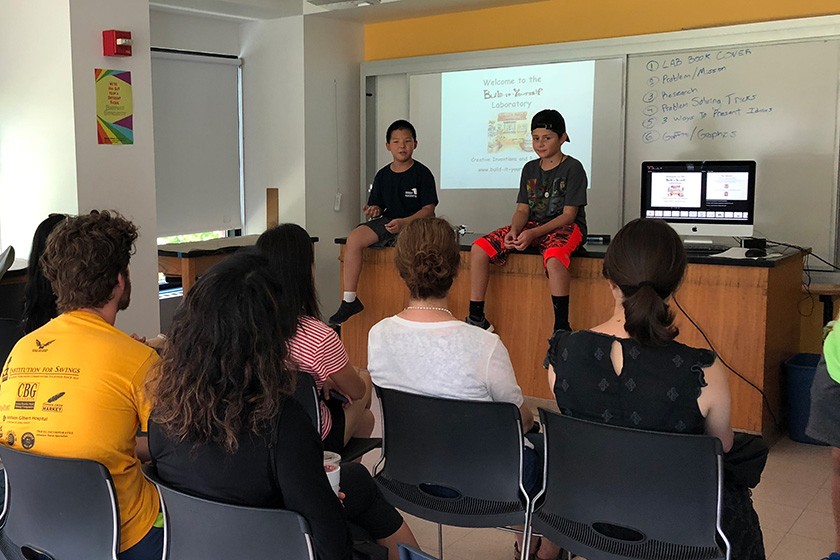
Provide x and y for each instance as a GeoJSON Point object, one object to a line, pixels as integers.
{"type": "Point", "coordinates": [74, 387]}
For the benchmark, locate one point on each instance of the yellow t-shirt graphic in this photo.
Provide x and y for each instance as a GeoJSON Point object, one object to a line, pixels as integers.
{"type": "Point", "coordinates": [74, 388]}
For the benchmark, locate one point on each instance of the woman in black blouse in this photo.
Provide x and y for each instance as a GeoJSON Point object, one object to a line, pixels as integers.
{"type": "Point", "coordinates": [630, 371]}
{"type": "Point", "coordinates": [224, 424]}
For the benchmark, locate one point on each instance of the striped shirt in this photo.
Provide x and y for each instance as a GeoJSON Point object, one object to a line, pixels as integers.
{"type": "Point", "coordinates": [317, 350]}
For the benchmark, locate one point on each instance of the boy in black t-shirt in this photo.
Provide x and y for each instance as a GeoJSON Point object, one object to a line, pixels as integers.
{"type": "Point", "coordinates": [403, 190]}
{"type": "Point", "coordinates": [550, 215]}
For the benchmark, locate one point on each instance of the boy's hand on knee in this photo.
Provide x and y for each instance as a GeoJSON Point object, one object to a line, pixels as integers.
{"type": "Point", "coordinates": [395, 225]}
{"type": "Point", "coordinates": [372, 211]}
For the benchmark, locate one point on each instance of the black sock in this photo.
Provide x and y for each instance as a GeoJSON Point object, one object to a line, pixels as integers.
{"type": "Point", "coordinates": [477, 310]}
{"type": "Point", "coordinates": [561, 312]}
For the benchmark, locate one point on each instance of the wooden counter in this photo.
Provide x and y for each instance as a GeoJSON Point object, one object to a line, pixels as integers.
{"type": "Point", "coordinates": [748, 309]}
{"type": "Point", "coordinates": [191, 260]}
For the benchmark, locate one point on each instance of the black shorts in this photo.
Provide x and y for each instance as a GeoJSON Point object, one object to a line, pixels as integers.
{"type": "Point", "coordinates": [335, 439]}
{"type": "Point", "coordinates": [386, 238]}
{"type": "Point", "coordinates": [364, 503]}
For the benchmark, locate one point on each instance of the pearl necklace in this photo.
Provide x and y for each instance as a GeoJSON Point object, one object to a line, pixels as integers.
{"type": "Point", "coordinates": [424, 308]}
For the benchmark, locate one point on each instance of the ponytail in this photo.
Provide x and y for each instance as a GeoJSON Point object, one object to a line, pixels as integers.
{"type": "Point", "coordinates": [648, 318]}
{"type": "Point", "coordinates": [647, 261]}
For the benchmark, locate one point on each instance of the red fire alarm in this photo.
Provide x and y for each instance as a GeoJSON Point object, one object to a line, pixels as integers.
{"type": "Point", "coordinates": [116, 43]}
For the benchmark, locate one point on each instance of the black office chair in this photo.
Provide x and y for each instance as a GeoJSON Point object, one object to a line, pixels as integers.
{"type": "Point", "coordinates": [10, 332]}
{"type": "Point", "coordinates": [200, 529]}
{"type": "Point", "coordinates": [616, 493]}
{"type": "Point", "coordinates": [453, 462]}
{"type": "Point", "coordinates": [306, 394]}
{"type": "Point", "coordinates": [59, 508]}
{"type": "Point", "coordinates": [7, 259]}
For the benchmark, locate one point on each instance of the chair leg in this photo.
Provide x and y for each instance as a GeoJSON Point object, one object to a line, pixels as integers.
{"type": "Point", "coordinates": [440, 541]}
{"type": "Point", "coordinates": [526, 537]}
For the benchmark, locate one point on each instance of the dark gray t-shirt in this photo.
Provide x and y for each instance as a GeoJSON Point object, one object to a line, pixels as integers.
{"type": "Point", "coordinates": [547, 192]}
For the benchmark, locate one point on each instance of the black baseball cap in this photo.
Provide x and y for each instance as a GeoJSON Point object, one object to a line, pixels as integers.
{"type": "Point", "coordinates": [552, 120]}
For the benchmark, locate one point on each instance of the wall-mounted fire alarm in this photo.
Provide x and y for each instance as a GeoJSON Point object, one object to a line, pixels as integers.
{"type": "Point", "coordinates": [116, 43]}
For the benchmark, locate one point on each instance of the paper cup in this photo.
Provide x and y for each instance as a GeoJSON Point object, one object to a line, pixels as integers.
{"type": "Point", "coordinates": [332, 465]}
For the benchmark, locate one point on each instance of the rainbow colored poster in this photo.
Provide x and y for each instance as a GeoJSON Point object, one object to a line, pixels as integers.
{"type": "Point", "coordinates": [114, 110]}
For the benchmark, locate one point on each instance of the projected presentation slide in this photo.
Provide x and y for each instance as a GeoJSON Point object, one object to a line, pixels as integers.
{"type": "Point", "coordinates": [486, 119]}
{"type": "Point", "coordinates": [727, 186]}
{"type": "Point", "coordinates": [675, 190]}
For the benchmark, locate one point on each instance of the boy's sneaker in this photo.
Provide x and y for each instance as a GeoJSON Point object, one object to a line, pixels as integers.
{"type": "Point", "coordinates": [482, 324]}
{"type": "Point", "coordinates": [833, 556]}
{"type": "Point", "coordinates": [346, 310]}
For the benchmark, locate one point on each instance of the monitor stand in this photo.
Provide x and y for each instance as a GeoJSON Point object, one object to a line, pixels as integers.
{"type": "Point", "coordinates": [703, 245]}
{"type": "Point", "coordinates": [697, 242]}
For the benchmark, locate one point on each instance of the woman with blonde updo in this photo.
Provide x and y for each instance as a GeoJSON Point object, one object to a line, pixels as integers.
{"type": "Point", "coordinates": [426, 351]}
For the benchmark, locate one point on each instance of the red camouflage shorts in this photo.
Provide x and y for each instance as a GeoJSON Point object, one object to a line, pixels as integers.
{"type": "Point", "coordinates": [559, 244]}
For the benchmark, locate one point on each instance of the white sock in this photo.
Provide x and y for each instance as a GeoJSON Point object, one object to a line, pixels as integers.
{"type": "Point", "coordinates": [349, 297]}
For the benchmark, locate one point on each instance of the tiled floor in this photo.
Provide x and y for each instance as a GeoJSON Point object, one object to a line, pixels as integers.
{"type": "Point", "coordinates": [793, 502]}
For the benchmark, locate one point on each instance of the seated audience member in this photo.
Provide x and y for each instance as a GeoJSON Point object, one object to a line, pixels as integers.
{"type": "Point", "coordinates": [425, 350]}
{"type": "Point", "coordinates": [824, 420]}
{"type": "Point", "coordinates": [402, 191]}
{"type": "Point", "coordinates": [225, 426]}
{"type": "Point", "coordinates": [630, 371]}
{"type": "Point", "coordinates": [315, 348]}
{"type": "Point", "coordinates": [90, 376]}
{"type": "Point", "coordinates": [39, 299]}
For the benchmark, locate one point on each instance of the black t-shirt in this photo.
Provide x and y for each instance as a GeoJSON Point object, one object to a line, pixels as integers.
{"type": "Point", "coordinates": [294, 480]}
{"type": "Point", "coordinates": [400, 195]}
{"type": "Point", "coordinates": [547, 192]}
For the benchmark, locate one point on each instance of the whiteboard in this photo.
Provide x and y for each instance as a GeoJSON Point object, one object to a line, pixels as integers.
{"type": "Point", "coordinates": [773, 103]}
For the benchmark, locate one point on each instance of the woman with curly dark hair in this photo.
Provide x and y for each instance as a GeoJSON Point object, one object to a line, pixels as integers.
{"type": "Point", "coordinates": [225, 425]}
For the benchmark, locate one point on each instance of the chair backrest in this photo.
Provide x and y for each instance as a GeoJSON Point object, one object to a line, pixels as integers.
{"type": "Point", "coordinates": [7, 259]}
{"type": "Point", "coordinates": [201, 529]}
{"type": "Point", "coordinates": [614, 493]}
{"type": "Point", "coordinates": [11, 331]}
{"type": "Point", "coordinates": [306, 393]}
{"type": "Point", "coordinates": [452, 461]}
{"type": "Point", "coordinates": [62, 508]}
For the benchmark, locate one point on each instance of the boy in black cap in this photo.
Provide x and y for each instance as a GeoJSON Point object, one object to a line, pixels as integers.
{"type": "Point", "coordinates": [549, 215]}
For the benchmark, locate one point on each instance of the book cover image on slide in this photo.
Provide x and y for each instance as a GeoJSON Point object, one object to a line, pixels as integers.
{"type": "Point", "coordinates": [508, 131]}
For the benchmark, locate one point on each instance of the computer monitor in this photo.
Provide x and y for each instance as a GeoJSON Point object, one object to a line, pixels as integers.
{"type": "Point", "coordinates": [701, 198]}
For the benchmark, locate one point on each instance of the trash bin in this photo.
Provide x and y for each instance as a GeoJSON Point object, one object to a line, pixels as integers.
{"type": "Point", "coordinates": [799, 375]}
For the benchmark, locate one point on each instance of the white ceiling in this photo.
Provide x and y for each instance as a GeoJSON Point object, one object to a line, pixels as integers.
{"type": "Point", "coordinates": [387, 10]}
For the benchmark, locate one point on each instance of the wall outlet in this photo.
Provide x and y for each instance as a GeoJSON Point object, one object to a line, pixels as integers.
{"type": "Point", "coordinates": [337, 206]}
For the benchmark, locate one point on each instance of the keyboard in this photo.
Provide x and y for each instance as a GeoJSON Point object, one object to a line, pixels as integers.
{"type": "Point", "coordinates": [705, 250]}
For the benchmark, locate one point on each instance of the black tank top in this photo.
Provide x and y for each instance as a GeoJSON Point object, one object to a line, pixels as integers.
{"type": "Point", "coordinates": [657, 389]}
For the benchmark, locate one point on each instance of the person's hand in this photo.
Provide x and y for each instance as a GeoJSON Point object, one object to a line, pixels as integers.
{"type": "Point", "coordinates": [138, 338]}
{"type": "Point", "coordinates": [156, 342]}
{"type": "Point", "coordinates": [329, 385]}
{"type": "Point", "coordinates": [510, 238]}
{"type": "Point", "coordinates": [372, 211]}
{"type": "Point", "coordinates": [341, 497]}
{"type": "Point", "coordinates": [395, 225]}
{"type": "Point", "coordinates": [524, 239]}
